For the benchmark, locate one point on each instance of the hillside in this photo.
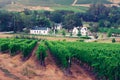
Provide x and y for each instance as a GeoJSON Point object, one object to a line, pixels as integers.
{"type": "Point", "coordinates": [19, 5]}
{"type": "Point", "coordinates": [92, 1]}
{"type": "Point", "coordinates": [55, 2]}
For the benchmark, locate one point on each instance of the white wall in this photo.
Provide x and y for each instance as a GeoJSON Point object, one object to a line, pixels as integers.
{"type": "Point", "coordinates": [84, 31]}
{"type": "Point", "coordinates": [43, 32]}
{"type": "Point", "coordinates": [75, 31]}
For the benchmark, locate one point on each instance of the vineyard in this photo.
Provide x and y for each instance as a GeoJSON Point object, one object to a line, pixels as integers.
{"type": "Point", "coordinates": [102, 59]}
{"type": "Point", "coordinates": [13, 46]}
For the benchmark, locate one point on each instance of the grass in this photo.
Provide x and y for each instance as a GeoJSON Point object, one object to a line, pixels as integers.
{"type": "Point", "coordinates": [92, 1]}
{"type": "Point", "coordinates": [71, 8]}
{"type": "Point", "coordinates": [54, 4]}
{"type": "Point", "coordinates": [51, 38]}
{"type": "Point", "coordinates": [45, 2]}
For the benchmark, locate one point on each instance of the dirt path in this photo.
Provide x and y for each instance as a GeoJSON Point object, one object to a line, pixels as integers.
{"type": "Point", "coordinates": [75, 1]}
{"type": "Point", "coordinates": [8, 74]}
{"type": "Point", "coordinates": [78, 73]}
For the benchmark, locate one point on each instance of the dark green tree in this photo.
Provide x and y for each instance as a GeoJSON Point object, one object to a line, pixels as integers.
{"type": "Point", "coordinates": [109, 33]}
{"type": "Point", "coordinates": [63, 32]}
{"type": "Point", "coordinates": [43, 22]}
{"type": "Point", "coordinates": [56, 17]}
{"type": "Point", "coordinates": [79, 33]}
{"type": "Point", "coordinates": [113, 40]}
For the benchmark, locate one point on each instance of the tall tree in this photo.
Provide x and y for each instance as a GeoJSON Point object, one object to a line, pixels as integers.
{"type": "Point", "coordinates": [71, 21]}
{"type": "Point", "coordinates": [56, 17]}
{"type": "Point", "coordinates": [43, 22]}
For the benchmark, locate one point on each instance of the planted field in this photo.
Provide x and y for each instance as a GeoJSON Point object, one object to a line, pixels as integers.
{"type": "Point", "coordinates": [13, 68]}
{"type": "Point", "coordinates": [13, 46]}
{"type": "Point", "coordinates": [92, 1]}
{"type": "Point", "coordinates": [103, 59]}
{"type": "Point", "coordinates": [71, 8]}
{"type": "Point", "coordinates": [46, 2]}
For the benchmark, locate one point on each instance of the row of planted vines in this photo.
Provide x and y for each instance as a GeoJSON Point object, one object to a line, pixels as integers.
{"type": "Point", "coordinates": [14, 46]}
{"type": "Point", "coordinates": [61, 55]}
{"type": "Point", "coordinates": [101, 58]}
{"type": "Point", "coordinates": [41, 53]}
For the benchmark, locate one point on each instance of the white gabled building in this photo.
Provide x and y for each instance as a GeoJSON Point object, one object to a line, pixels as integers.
{"type": "Point", "coordinates": [39, 30]}
{"type": "Point", "coordinates": [75, 31]}
{"type": "Point", "coordinates": [84, 31]}
{"type": "Point", "coordinates": [58, 26]}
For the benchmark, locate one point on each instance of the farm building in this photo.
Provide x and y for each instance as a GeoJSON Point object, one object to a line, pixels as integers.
{"type": "Point", "coordinates": [58, 26]}
{"type": "Point", "coordinates": [39, 30]}
{"type": "Point", "coordinates": [84, 31]}
{"type": "Point", "coordinates": [75, 31]}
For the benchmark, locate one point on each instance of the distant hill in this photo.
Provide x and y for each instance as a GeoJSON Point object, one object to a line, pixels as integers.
{"type": "Point", "coordinates": [56, 2]}
{"type": "Point", "coordinates": [18, 5]}
{"type": "Point", "coordinates": [40, 2]}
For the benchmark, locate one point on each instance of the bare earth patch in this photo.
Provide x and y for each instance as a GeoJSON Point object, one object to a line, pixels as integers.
{"type": "Point", "coordinates": [13, 68]}
{"type": "Point", "coordinates": [20, 7]}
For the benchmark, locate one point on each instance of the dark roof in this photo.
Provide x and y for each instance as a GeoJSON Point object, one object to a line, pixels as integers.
{"type": "Point", "coordinates": [39, 28]}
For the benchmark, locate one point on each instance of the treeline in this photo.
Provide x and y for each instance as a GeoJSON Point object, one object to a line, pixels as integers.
{"type": "Point", "coordinates": [98, 13]}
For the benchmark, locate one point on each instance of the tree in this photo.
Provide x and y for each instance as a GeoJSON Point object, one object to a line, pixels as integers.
{"type": "Point", "coordinates": [17, 23]}
{"type": "Point", "coordinates": [79, 33]}
{"type": "Point", "coordinates": [113, 40]}
{"type": "Point", "coordinates": [71, 34]}
{"type": "Point", "coordinates": [6, 21]}
{"type": "Point", "coordinates": [104, 23]}
{"type": "Point", "coordinates": [98, 11]}
{"type": "Point", "coordinates": [56, 17]}
{"type": "Point", "coordinates": [43, 22]}
{"type": "Point", "coordinates": [78, 20]}
{"type": "Point", "coordinates": [94, 27]}
{"type": "Point", "coordinates": [63, 32]}
{"type": "Point", "coordinates": [109, 33]}
{"type": "Point", "coordinates": [70, 21]}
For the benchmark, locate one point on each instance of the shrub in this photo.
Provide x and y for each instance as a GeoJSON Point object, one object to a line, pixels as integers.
{"type": "Point", "coordinates": [109, 33]}
{"type": "Point", "coordinates": [14, 47]}
{"type": "Point", "coordinates": [4, 47]}
{"type": "Point", "coordinates": [85, 37]}
{"type": "Point", "coordinates": [113, 40]}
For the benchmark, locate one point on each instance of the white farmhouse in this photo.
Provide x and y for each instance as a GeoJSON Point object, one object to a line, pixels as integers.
{"type": "Point", "coordinates": [39, 30]}
{"type": "Point", "coordinates": [75, 31]}
{"type": "Point", "coordinates": [58, 26]}
{"type": "Point", "coordinates": [84, 31]}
